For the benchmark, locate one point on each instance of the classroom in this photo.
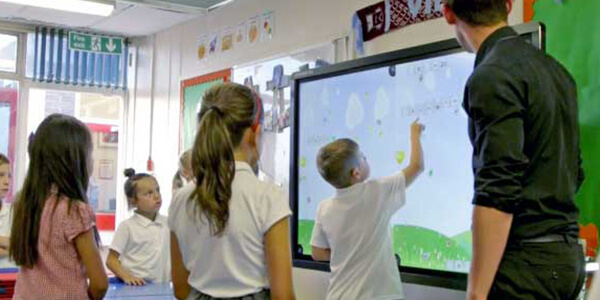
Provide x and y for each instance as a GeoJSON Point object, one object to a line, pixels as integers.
{"type": "Point", "coordinates": [310, 150]}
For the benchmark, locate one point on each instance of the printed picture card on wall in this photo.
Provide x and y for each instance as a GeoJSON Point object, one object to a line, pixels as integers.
{"type": "Point", "coordinates": [268, 26]}
{"type": "Point", "coordinates": [254, 29]}
{"type": "Point", "coordinates": [227, 39]}
{"type": "Point", "coordinates": [201, 47]}
{"type": "Point", "coordinates": [213, 44]}
{"type": "Point", "coordinates": [241, 34]}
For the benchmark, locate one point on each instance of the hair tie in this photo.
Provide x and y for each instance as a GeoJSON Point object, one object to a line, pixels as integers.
{"type": "Point", "coordinates": [217, 109]}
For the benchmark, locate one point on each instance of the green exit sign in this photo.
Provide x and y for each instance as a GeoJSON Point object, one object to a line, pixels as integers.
{"type": "Point", "coordinates": [95, 43]}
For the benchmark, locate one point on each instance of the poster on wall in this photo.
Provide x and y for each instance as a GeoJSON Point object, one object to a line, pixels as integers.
{"type": "Point", "coordinates": [253, 29]}
{"type": "Point", "coordinates": [380, 18]}
{"type": "Point", "coordinates": [240, 34]}
{"type": "Point", "coordinates": [213, 43]}
{"type": "Point", "coordinates": [268, 26]}
{"type": "Point", "coordinates": [226, 39]}
{"type": "Point", "coordinates": [106, 169]}
{"type": "Point", "coordinates": [108, 139]}
{"type": "Point", "coordinates": [59, 103]}
{"type": "Point", "coordinates": [201, 47]}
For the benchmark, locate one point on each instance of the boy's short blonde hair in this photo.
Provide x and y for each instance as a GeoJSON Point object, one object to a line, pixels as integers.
{"type": "Point", "coordinates": [336, 160]}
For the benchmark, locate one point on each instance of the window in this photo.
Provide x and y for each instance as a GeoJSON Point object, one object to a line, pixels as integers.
{"type": "Point", "coordinates": [102, 116]}
{"type": "Point", "coordinates": [8, 53]}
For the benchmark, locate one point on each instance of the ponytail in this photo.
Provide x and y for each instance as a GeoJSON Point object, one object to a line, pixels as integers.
{"type": "Point", "coordinates": [227, 111]}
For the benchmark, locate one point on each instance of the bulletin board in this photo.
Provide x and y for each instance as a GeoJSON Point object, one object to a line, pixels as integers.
{"type": "Point", "coordinates": [569, 40]}
{"type": "Point", "coordinates": [192, 91]}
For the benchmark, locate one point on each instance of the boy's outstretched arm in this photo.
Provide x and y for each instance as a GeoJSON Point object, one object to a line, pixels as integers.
{"type": "Point", "coordinates": [416, 164]}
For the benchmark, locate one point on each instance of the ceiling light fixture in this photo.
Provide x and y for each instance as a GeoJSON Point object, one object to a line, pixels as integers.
{"type": "Point", "coordinates": [99, 8]}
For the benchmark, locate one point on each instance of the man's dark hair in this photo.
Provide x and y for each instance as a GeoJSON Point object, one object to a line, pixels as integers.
{"type": "Point", "coordinates": [479, 12]}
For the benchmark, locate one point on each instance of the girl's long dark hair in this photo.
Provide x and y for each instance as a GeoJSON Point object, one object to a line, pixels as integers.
{"type": "Point", "coordinates": [59, 160]}
{"type": "Point", "coordinates": [227, 111]}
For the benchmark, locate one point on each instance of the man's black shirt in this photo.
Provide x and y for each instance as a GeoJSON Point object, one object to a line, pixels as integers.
{"type": "Point", "coordinates": [522, 107]}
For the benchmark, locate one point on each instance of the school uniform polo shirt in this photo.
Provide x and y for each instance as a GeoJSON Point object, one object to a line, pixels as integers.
{"type": "Point", "coordinates": [144, 247]}
{"type": "Point", "coordinates": [233, 264]}
{"type": "Point", "coordinates": [6, 217]}
{"type": "Point", "coordinates": [355, 225]}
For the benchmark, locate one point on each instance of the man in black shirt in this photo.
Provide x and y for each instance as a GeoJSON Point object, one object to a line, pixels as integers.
{"type": "Point", "coordinates": [522, 107]}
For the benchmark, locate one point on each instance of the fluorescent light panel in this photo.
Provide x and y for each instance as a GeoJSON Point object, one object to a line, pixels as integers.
{"type": "Point", "coordinates": [76, 6]}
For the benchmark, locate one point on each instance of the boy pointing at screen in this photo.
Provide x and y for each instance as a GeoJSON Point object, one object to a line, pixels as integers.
{"type": "Point", "coordinates": [352, 229]}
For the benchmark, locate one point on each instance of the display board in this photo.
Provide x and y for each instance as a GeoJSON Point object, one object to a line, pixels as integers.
{"type": "Point", "coordinates": [192, 91]}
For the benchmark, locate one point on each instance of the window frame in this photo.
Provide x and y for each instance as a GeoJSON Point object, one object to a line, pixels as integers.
{"type": "Point", "coordinates": [19, 63]}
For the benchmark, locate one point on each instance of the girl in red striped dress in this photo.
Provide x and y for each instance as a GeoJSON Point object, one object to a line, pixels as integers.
{"type": "Point", "coordinates": [54, 239]}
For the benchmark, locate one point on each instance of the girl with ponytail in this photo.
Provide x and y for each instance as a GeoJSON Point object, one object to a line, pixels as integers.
{"type": "Point", "coordinates": [230, 231]}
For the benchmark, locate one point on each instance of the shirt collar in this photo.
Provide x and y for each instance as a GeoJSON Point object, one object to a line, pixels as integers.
{"type": "Point", "coordinates": [347, 190]}
{"type": "Point", "coordinates": [145, 222]}
{"type": "Point", "coordinates": [243, 166]}
{"type": "Point", "coordinates": [491, 41]}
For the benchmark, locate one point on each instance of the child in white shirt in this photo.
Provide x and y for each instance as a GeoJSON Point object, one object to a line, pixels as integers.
{"type": "Point", "coordinates": [352, 229]}
{"type": "Point", "coordinates": [140, 248]}
{"type": "Point", "coordinates": [229, 231]}
{"type": "Point", "coordinates": [184, 175]}
{"type": "Point", "coordinates": [5, 213]}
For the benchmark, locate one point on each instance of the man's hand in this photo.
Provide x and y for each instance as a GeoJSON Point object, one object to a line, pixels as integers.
{"type": "Point", "coordinates": [490, 234]}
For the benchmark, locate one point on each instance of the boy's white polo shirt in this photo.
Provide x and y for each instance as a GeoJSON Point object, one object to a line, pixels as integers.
{"type": "Point", "coordinates": [144, 247]}
{"type": "Point", "coordinates": [355, 225]}
{"type": "Point", "coordinates": [234, 264]}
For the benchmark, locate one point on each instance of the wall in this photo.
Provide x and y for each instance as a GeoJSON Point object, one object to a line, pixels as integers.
{"type": "Point", "coordinates": [579, 54]}
{"type": "Point", "coordinates": [170, 56]}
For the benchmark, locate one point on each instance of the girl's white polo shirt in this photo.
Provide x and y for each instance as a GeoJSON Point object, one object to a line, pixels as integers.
{"type": "Point", "coordinates": [144, 247]}
{"type": "Point", "coordinates": [6, 217]}
{"type": "Point", "coordinates": [234, 264]}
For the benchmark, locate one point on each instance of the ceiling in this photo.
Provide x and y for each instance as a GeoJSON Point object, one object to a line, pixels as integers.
{"type": "Point", "coordinates": [130, 18]}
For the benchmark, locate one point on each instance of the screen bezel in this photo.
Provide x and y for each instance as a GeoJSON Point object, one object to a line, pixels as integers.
{"type": "Point", "coordinates": [532, 32]}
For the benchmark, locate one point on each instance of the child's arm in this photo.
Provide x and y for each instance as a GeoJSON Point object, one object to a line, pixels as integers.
{"type": "Point", "coordinates": [114, 265]}
{"type": "Point", "coordinates": [279, 261]}
{"type": "Point", "coordinates": [90, 256]}
{"type": "Point", "coordinates": [321, 251]}
{"type": "Point", "coordinates": [4, 242]}
{"type": "Point", "coordinates": [3, 246]}
{"type": "Point", "coordinates": [321, 254]}
{"type": "Point", "coordinates": [179, 273]}
{"type": "Point", "coordinates": [416, 165]}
